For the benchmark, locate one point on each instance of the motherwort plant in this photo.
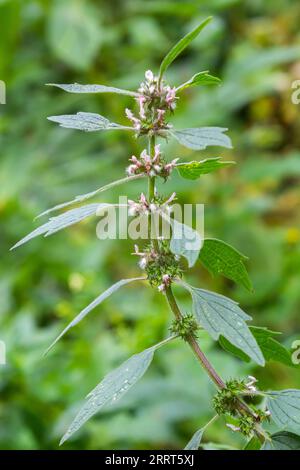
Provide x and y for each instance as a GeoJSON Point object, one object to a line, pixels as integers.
{"type": "Point", "coordinates": [161, 260]}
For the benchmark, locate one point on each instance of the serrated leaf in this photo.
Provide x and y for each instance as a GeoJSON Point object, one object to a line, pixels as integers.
{"type": "Point", "coordinates": [283, 441]}
{"type": "Point", "coordinates": [221, 316]}
{"type": "Point", "coordinates": [88, 122]}
{"type": "Point", "coordinates": [272, 350]}
{"type": "Point", "coordinates": [180, 46]}
{"type": "Point", "coordinates": [201, 78]}
{"type": "Point", "coordinates": [185, 241]}
{"type": "Point", "coordinates": [285, 409]}
{"type": "Point", "coordinates": [199, 138]}
{"type": "Point", "coordinates": [113, 387]}
{"type": "Point", "coordinates": [84, 197]}
{"type": "Point", "coordinates": [93, 305]}
{"type": "Point", "coordinates": [195, 441]}
{"type": "Point", "coordinates": [220, 258]}
{"type": "Point", "coordinates": [193, 170]}
{"type": "Point", "coordinates": [62, 221]}
{"type": "Point", "coordinates": [78, 88]}
{"type": "Point", "coordinates": [253, 444]}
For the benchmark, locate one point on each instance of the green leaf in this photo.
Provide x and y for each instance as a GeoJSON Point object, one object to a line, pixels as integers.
{"type": "Point", "coordinates": [272, 350]}
{"type": "Point", "coordinates": [201, 78]}
{"type": "Point", "coordinates": [221, 316]}
{"type": "Point", "coordinates": [62, 221]}
{"type": "Point", "coordinates": [93, 305]}
{"type": "Point", "coordinates": [74, 32]}
{"type": "Point", "coordinates": [253, 444]}
{"type": "Point", "coordinates": [77, 88]}
{"type": "Point", "coordinates": [199, 138]}
{"type": "Point", "coordinates": [285, 409]}
{"type": "Point", "coordinates": [283, 441]}
{"type": "Point", "coordinates": [193, 170]}
{"type": "Point", "coordinates": [195, 441]}
{"type": "Point", "coordinates": [220, 258]}
{"type": "Point", "coordinates": [185, 241]}
{"type": "Point", "coordinates": [84, 197]}
{"type": "Point", "coordinates": [180, 46]}
{"type": "Point", "coordinates": [113, 387]}
{"type": "Point", "coordinates": [88, 122]}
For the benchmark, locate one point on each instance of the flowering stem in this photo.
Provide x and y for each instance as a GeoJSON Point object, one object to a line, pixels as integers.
{"type": "Point", "coordinates": [151, 190]}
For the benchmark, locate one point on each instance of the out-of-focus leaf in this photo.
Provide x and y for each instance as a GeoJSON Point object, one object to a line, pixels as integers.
{"type": "Point", "coordinates": [272, 350]}
{"type": "Point", "coordinates": [113, 387]}
{"type": "Point", "coordinates": [253, 444]}
{"type": "Point", "coordinates": [181, 45]}
{"type": "Point", "coordinates": [93, 305]}
{"type": "Point", "coordinates": [220, 258]}
{"type": "Point", "coordinates": [63, 220]}
{"type": "Point", "coordinates": [199, 138]}
{"type": "Point", "coordinates": [283, 441]}
{"type": "Point", "coordinates": [74, 32]}
{"type": "Point", "coordinates": [193, 170]}
{"type": "Point", "coordinates": [221, 316]}
{"type": "Point", "coordinates": [201, 78]}
{"type": "Point", "coordinates": [88, 122]}
{"type": "Point", "coordinates": [77, 88]}
{"type": "Point", "coordinates": [285, 409]}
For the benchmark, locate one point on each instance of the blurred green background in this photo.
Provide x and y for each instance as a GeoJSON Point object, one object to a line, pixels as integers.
{"type": "Point", "coordinates": [253, 45]}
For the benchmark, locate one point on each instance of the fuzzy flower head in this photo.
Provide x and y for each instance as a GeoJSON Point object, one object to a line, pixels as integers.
{"type": "Point", "coordinates": [151, 166]}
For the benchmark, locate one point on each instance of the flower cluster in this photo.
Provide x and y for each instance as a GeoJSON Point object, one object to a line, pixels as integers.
{"type": "Point", "coordinates": [185, 326]}
{"type": "Point", "coordinates": [161, 267]}
{"type": "Point", "coordinates": [155, 99]}
{"type": "Point", "coordinates": [151, 166]}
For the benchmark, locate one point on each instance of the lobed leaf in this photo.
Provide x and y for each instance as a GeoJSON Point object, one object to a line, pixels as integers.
{"type": "Point", "coordinates": [199, 138]}
{"type": "Point", "coordinates": [285, 409]}
{"type": "Point", "coordinates": [283, 441]}
{"type": "Point", "coordinates": [113, 387]}
{"type": "Point", "coordinates": [201, 78]}
{"type": "Point", "coordinates": [193, 170]}
{"type": "Point", "coordinates": [221, 316]}
{"type": "Point", "coordinates": [220, 258]}
{"type": "Point", "coordinates": [77, 88]}
{"type": "Point", "coordinates": [180, 46]}
{"type": "Point", "coordinates": [88, 122]}
{"type": "Point", "coordinates": [93, 305]}
{"type": "Point", "coordinates": [62, 221]}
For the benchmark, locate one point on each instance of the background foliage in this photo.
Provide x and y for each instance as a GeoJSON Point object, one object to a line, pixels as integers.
{"type": "Point", "coordinates": [254, 46]}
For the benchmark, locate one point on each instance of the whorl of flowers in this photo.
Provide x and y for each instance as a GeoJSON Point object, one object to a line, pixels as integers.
{"type": "Point", "coordinates": [151, 166]}
{"type": "Point", "coordinates": [155, 100]}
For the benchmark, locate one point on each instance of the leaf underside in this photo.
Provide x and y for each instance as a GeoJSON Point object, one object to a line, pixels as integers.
{"type": "Point", "coordinates": [221, 316]}
{"type": "Point", "coordinates": [199, 138]}
{"type": "Point", "coordinates": [285, 409]}
{"type": "Point", "coordinates": [78, 88]}
{"type": "Point", "coordinates": [195, 441]}
{"type": "Point", "coordinates": [88, 122]}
